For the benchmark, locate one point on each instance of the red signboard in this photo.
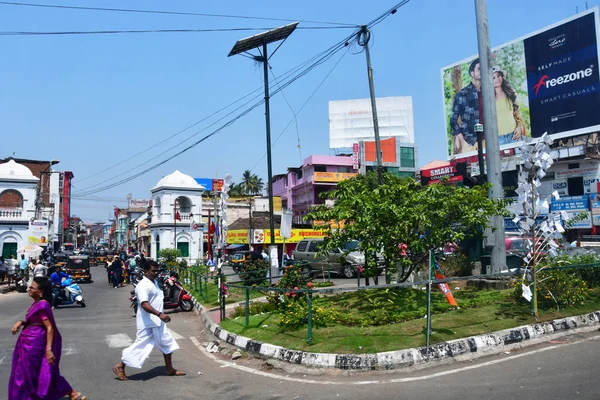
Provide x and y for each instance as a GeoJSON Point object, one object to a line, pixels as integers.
{"type": "Point", "coordinates": [217, 185]}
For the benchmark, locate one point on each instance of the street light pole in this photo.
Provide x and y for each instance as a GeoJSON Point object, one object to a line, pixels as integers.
{"type": "Point", "coordinates": [363, 38]}
{"type": "Point", "coordinates": [492, 147]}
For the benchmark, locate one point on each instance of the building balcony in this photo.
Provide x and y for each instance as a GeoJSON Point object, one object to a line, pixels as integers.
{"type": "Point", "coordinates": [13, 214]}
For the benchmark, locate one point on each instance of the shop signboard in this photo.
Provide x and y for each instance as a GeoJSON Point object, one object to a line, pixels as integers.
{"type": "Point", "coordinates": [261, 236]}
{"type": "Point", "coordinates": [551, 82]}
{"type": "Point", "coordinates": [332, 176]}
{"type": "Point", "coordinates": [571, 203]}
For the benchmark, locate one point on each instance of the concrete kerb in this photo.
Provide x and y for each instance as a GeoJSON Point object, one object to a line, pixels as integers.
{"type": "Point", "coordinates": [415, 358]}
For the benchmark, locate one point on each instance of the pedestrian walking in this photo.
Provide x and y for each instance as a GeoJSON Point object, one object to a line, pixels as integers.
{"type": "Point", "coordinates": [117, 271]}
{"type": "Point", "coordinates": [23, 266]}
{"type": "Point", "coordinates": [2, 269]}
{"type": "Point", "coordinates": [35, 372]}
{"type": "Point", "coordinates": [151, 326]}
{"type": "Point", "coordinates": [11, 267]}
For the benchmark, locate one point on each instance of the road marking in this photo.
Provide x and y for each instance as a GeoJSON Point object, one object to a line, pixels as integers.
{"type": "Point", "coordinates": [2, 359]}
{"type": "Point", "coordinates": [118, 340]}
{"type": "Point", "coordinates": [175, 335]}
{"type": "Point", "coordinates": [377, 382]}
{"type": "Point", "coordinates": [69, 349]}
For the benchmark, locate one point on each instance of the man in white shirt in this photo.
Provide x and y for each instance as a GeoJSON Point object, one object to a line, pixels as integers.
{"type": "Point", "coordinates": [151, 326]}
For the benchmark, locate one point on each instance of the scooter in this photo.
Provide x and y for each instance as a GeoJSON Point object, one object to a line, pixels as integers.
{"type": "Point", "coordinates": [175, 297]}
{"type": "Point", "coordinates": [68, 293]}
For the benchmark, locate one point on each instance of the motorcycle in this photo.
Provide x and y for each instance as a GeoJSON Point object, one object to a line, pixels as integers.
{"type": "Point", "coordinates": [175, 297]}
{"type": "Point", "coordinates": [20, 283]}
{"type": "Point", "coordinates": [68, 293]}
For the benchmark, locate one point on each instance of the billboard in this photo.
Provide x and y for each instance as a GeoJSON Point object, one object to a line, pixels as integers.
{"type": "Point", "coordinates": [38, 232]}
{"type": "Point", "coordinates": [545, 82]}
{"type": "Point", "coordinates": [139, 203]}
{"type": "Point", "coordinates": [351, 121]}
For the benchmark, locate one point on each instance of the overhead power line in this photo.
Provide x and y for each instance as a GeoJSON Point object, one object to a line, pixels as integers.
{"type": "Point", "coordinates": [257, 95]}
{"type": "Point", "coordinates": [328, 54]}
{"type": "Point", "coordinates": [118, 32]}
{"type": "Point", "coordinates": [182, 13]}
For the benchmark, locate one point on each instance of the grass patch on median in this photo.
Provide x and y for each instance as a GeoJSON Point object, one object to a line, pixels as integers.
{"type": "Point", "coordinates": [482, 311]}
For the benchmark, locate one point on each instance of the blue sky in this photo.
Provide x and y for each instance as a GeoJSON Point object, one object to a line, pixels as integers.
{"type": "Point", "coordinates": [94, 101]}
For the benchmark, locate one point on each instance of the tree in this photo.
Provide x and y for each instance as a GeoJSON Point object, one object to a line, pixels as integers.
{"type": "Point", "coordinates": [401, 220]}
{"type": "Point", "coordinates": [236, 190]}
{"type": "Point", "coordinates": [257, 184]}
{"type": "Point", "coordinates": [247, 182]}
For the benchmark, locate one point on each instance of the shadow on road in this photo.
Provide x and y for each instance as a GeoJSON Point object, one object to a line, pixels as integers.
{"type": "Point", "coordinates": [144, 376]}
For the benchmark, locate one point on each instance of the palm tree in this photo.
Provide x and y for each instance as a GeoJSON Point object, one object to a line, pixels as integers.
{"type": "Point", "coordinates": [236, 190]}
{"type": "Point", "coordinates": [257, 184]}
{"type": "Point", "coordinates": [247, 182]}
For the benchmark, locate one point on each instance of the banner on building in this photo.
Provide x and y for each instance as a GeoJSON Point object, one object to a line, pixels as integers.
{"type": "Point", "coordinates": [548, 81]}
{"type": "Point", "coordinates": [355, 156]}
{"type": "Point", "coordinates": [261, 236]}
{"type": "Point", "coordinates": [38, 232]}
{"type": "Point", "coordinates": [139, 203]}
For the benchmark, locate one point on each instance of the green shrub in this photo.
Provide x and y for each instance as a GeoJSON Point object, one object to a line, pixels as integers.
{"type": "Point", "coordinates": [255, 308]}
{"type": "Point", "coordinates": [254, 273]}
{"type": "Point", "coordinates": [556, 288]}
{"type": "Point", "coordinates": [456, 264]}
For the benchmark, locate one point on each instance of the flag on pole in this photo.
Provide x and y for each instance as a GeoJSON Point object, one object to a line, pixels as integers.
{"type": "Point", "coordinates": [193, 225]}
{"type": "Point", "coordinates": [443, 286]}
{"type": "Point", "coordinates": [177, 216]}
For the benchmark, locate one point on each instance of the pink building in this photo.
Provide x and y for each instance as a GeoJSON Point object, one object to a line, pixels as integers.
{"type": "Point", "coordinates": [300, 187]}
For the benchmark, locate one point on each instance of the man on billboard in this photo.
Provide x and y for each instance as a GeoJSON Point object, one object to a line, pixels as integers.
{"type": "Point", "coordinates": [465, 112]}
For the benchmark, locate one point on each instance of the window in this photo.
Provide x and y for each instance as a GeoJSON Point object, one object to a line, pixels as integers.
{"type": "Point", "coordinates": [313, 247]}
{"type": "Point", "coordinates": [574, 165]}
{"type": "Point", "coordinates": [344, 169]}
{"type": "Point", "coordinates": [184, 249]}
{"type": "Point", "coordinates": [299, 174]}
{"type": "Point", "coordinates": [320, 168]}
{"type": "Point", "coordinates": [157, 246]}
{"type": "Point", "coordinates": [301, 246]}
{"type": "Point", "coordinates": [407, 157]}
{"type": "Point", "coordinates": [11, 198]}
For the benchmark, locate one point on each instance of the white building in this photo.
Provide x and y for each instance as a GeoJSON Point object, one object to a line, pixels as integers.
{"type": "Point", "coordinates": [18, 191]}
{"type": "Point", "coordinates": [177, 193]}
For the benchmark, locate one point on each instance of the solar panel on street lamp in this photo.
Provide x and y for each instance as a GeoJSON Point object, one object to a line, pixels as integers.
{"type": "Point", "coordinates": [242, 46]}
{"type": "Point", "coordinates": [258, 40]}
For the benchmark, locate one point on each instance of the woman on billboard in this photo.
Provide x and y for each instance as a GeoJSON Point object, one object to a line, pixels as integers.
{"type": "Point", "coordinates": [511, 126]}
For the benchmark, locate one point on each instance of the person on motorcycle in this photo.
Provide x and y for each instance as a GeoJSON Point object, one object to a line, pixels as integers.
{"type": "Point", "coordinates": [56, 279]}
{"type": "Point", "coordinates": [173, 276]}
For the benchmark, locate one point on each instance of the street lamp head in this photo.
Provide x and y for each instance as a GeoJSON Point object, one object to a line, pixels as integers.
{"type": "Point", "coordinates": [54, 162]}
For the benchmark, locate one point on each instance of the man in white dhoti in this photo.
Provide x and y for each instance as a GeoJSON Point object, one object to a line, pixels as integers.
{"type": "Point", "coordinates": [151, 326]}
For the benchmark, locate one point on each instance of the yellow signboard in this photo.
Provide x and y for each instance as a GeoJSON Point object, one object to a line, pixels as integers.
{"type": "Point", "coordinates": [260, 236]}
{"type": "Point", "coordinates": [332, 176]}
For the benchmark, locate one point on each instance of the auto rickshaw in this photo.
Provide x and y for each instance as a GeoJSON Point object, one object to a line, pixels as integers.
{"type": "Point", "coordinates": [79, 268]}
{"type": "Point", "coordinates": [102, 258]}
{"type": "Point", "coordinates": [60, 260]}
{"type": "Point", "coordinates": [239, 259]}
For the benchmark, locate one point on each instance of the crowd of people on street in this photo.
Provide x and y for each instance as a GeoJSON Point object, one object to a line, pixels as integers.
{"type": "Point", "coordinates": [121, 268]}
{"type": "Point", "coordinates": [35, 372]}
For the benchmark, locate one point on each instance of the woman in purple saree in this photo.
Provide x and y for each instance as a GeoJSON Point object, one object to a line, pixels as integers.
{"type": "Point", "coordinates": [35, 373]}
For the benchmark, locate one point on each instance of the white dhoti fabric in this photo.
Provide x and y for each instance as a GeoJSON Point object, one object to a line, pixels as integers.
{"type": "Point", "coordinates": [145, 340]}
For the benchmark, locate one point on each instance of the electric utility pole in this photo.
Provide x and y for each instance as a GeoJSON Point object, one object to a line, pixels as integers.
{"type": "Point", "coordinates": [490, 123]}
{"type": "Point", "coordinates": [363, 38]}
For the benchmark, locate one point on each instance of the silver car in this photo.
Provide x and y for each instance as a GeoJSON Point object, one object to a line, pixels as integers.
{"type": "Point", "coordinates": [344, 261]}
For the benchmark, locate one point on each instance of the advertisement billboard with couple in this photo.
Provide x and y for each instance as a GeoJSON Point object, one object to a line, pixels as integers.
{"type": "Point", "coordinates": [548, 81]}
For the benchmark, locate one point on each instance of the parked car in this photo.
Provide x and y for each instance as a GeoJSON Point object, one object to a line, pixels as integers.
{"type": "Point", "coordinates": [343, 261]}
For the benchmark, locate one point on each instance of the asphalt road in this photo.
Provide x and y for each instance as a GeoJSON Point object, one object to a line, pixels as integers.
{"type": "Point", "coordinates": [93, 338]}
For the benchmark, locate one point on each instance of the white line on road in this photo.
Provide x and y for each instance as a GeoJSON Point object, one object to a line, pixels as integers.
{"type": "Point", "coordinates": [2, 359]}
{"type": "Point", "coordinates": [175, 335]}
{"type": "Point", "coordinates": [118, 340]}
{"type": "Point", "coordinates": [398, 380]}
